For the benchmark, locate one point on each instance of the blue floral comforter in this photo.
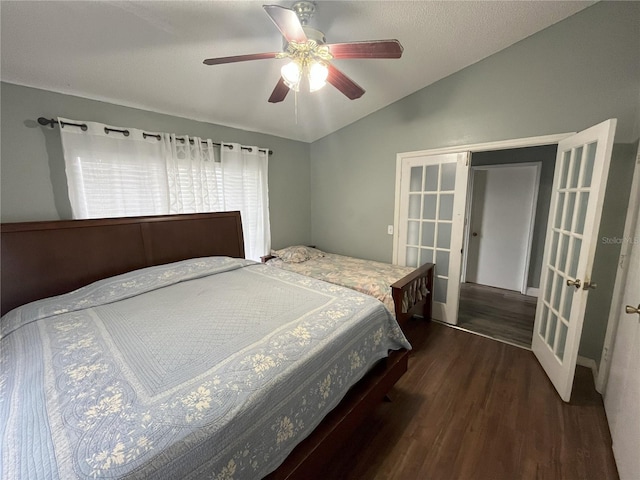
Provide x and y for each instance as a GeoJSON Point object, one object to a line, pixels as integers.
{"type": "Point", "coordinates": [208, 368]}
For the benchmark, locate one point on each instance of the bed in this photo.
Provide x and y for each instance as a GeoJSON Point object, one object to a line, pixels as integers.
{"type": "Point", "coordinates": [405, 291]}
{"type": "Point", "coordinates": [131, 375]}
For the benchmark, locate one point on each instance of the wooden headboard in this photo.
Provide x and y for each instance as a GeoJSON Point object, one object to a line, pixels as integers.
{"type": "Point", "coordinates": [42, 259]}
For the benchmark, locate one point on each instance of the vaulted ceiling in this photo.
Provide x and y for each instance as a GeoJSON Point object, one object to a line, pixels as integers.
{"type": "Point", "coordinates": [148, 54]}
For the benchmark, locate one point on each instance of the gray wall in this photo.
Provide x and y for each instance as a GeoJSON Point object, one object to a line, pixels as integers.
{"type": "Point", "coordinates": [547, 156]}
{"type": "Point", "coordinates": [34, 187]}
{"type": "Point", "coordinates": [566, 78]}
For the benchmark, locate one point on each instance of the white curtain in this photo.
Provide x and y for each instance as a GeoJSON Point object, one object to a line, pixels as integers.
{"type": "Point", "coordinates": [243, 186]}
{"type": "Point", "coordinates": [111, 174]}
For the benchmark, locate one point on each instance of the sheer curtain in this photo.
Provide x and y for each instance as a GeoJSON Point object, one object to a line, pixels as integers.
{"type": "Point", "coordinates": [110, 175]}
{"type": "Point", "coordinates": [113, 174]}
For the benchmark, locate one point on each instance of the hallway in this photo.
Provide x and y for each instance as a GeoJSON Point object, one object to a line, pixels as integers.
{"type": "Point", "coordinates": [500, 314]}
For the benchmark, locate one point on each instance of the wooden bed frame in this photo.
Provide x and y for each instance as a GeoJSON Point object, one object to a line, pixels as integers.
{"type": "Point", "coordinates": [406, 300]}
{"type": "Point", "coordinates": [42, 259]}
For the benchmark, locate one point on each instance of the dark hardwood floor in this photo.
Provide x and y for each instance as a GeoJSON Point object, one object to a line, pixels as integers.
{"type": "Point", "coordinates": [500, 314]}
{"type": "Point", "coordinates": [473, 408]}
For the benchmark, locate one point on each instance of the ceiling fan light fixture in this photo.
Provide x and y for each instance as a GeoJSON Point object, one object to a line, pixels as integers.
{"type": "Point", "coordinates": [291, 73]}
{"type": "Point", "coordinates": [318, 73]}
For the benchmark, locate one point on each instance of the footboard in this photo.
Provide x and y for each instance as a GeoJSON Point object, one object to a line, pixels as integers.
{"type": "Point", "coordinates": [413, 294]}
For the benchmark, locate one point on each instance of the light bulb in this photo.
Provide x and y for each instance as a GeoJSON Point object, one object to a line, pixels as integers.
{"type": "Point", "coordinates": [291, 75]}
{"type": "Point", "coordinates": [318, 74]}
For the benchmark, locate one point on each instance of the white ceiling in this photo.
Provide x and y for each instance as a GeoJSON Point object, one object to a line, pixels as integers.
{"type": "Point", "coordinates": [148, 54]}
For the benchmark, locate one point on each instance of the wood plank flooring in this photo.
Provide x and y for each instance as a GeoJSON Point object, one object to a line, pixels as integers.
{"type": "Point", "coordinates": [473, 408]}
{"type": "Point", "coordinates": [501, 314]}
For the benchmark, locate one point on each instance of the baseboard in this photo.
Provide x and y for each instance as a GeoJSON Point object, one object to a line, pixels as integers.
{"type": "Point", "coordinates": [533, 292]}
{"type": "Point", "coordinates": [589, 363]}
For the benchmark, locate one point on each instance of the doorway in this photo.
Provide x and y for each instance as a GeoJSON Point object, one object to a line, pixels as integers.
{"type": "Point", "coordinates": [502, 206]}
{"type": "Point", "coordinates": [580, 177]}
{"type": "Point", "coordinates": [508, 209]}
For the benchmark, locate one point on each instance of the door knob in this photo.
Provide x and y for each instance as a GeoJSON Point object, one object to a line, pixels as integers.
{"type": "Point", "coordinates": [573, 283]}
{"type": "Point", "coordinates": [630, 309]}
{"type": "Point", "coordinates": [474, 234]}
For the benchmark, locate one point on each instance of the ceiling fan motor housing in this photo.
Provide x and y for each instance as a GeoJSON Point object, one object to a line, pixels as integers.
{"type": "Point", "coordinates": [304, 10]}
{"type": "Point", "coordinates": [311, 33]}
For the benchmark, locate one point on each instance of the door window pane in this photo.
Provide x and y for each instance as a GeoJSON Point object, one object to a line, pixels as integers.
{"type": "Point", "coordinates": [415, 182]}
{"type": "Point", "coordinates": [564, 251]}
{"type": "Point", "coordinates": [444, 235]}
{"type": "Point", "coordinates": [565, 169]}
{"type": "Point", "coordinates": [557, 292]}
{"type": "Point", "coordinates": [582, 212]}
{"type": "Point", "coordinates": [562, 341]}
{"type": "Point", "coordinates": [429, 207]}
{"type": "Point", "coordinates": [426, 256]}
{"type": "Point", "coordinates": [558, 219]}
{"type": "Point", "coordinates": [440, 288]}
{"type": "Point", "coordinates": [554, 248]}
{"type": "Point", "coordinates": [575, 171]}
{"type": "Point", "coordinates": [442, 260]}
{"type": "Point", "coordinates": [431, 178]}
{"type": "Point", "coordinates": [428, 234]}
{"type": "Point", "coordinates": [551, 334]}
{"type": "Point", "coordinates": [590, 158]}
{"type": "Point", "coordinates": [549, 286]}
{"type": "Point", "coordinates": [543, 322]}
{"type": "Point", "coordinates": [414, 206]}
{"type": "Point", "coordinates": [568, 216]}
{"type": "Point", "coordinates": [412, 257]}
{"type": "Point", "coordinates": [448, 180]}
{"type": "Point", "coordinates": [446, 206]}
{"type": "Point", "coordinates": [575, 257]}
{"type": "Point", "coordinates": [413, 232]}
{"type": "Point", "coordinates": [566, 304]}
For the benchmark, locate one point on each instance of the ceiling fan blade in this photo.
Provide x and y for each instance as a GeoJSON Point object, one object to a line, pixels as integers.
{"type": "Point", "coordinates": [287, 22]}
{"type": "Point", "coordinates": [240, 58]}
{"type": "Point", "coordinates": [370, 49]}
{"type": "Point", "coordinates": [280, 92]}
{"type": "Point", "coordinates": [343, 83]}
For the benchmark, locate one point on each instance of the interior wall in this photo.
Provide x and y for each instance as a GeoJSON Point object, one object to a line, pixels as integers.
{"type": "Point", "coordinates": [34, 187]}
{"type": "Point", "coordinates": [547, 156]}
{"type": "Point", "coordinates": [565, 78]}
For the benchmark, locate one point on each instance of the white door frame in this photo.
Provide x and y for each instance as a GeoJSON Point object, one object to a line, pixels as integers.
{"type": "Point", "coordinates": [618, 288]}
{"type": "Point", "coordinates": [532, 217]}
{"type": "Point", "coordinates": [474, 147]}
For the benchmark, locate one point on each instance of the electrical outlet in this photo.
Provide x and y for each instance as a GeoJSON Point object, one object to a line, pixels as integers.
{"type": "Point", "coordinates": [390, 229]}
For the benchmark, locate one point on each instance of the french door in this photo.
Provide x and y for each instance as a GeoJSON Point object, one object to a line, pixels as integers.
{"type": "Point", "coordinates": [582, 167]}
{"type": "Point", "coordinates": [430, 223]}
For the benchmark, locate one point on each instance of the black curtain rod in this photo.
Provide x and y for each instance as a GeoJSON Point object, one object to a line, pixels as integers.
{"type": "Point", "coordinates": [52, 123]}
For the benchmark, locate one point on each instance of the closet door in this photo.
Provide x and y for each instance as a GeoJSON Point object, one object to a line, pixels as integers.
{"type": "Point", "coordinates": [431, 222]}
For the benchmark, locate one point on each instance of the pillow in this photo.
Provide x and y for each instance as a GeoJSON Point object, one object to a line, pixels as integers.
{"type": "Point", "coordinates": [297, 254]}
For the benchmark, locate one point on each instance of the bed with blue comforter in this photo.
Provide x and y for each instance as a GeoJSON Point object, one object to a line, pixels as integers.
{"type": "Point", "coordinates": [206, 368]}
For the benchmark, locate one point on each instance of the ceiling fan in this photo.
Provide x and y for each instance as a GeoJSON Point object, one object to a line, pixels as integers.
{"type": "Point", "coordinates": [310, 55]}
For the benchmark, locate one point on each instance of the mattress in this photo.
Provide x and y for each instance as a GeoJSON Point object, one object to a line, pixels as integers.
{"type": "Point", "coordinates": [206, 368]}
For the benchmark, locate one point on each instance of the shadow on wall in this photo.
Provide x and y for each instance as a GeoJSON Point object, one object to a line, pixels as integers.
{"type": "Point", "coordinates": [57, 173]}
